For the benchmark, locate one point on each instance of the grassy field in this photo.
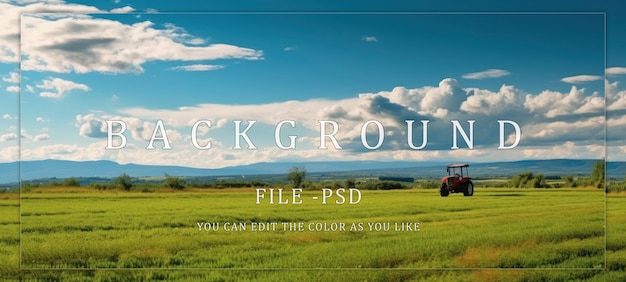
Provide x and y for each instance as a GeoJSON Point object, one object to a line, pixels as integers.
{"type": "Point", "coordinates": [520, 230]}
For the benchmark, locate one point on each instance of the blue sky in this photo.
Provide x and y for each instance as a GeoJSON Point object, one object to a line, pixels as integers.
{"type": "Point", "coordinates": [542, 70]}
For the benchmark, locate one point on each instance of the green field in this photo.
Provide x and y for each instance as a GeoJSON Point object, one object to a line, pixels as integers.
{"type": "Point", "coordinates": [521, 230]}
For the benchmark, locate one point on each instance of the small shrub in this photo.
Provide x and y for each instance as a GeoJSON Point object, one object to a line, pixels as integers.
{"type": "Point", "coordinates": [71, 182]}
{"type": "Point", "coordinates": [124, 181]}
{"type": "Point", "coordinates": [174, 182]}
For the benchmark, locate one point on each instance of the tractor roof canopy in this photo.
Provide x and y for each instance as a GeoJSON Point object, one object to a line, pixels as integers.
{"type": "Point", "coordinates": [458, 165]}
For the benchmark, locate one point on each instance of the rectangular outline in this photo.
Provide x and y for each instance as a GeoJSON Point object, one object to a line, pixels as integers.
{"type": "Point", "coordinates": [604, 268]}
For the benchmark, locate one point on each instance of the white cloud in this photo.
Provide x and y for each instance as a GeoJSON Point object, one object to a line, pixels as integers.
{"type": "Point", "coordinates": [438, 104]}
{"type": "Point", "coordinates": [446, 98]}
{"type": "Point", "coordinates": [30, 89]}
{"type": "Point", "coordinates": [616, 70]}
{"type": "Point", "coordinates": [289, 48]}
{"type": "Point", "coordinates": [553, 104]}
{"type": "Point", "coordinates": [92, 151]}
{"type": "Point", "coordinates": [13, 77]}
{"type": "Point", "coordinates": [548, 120]}
{"type": "Point", "coordinates": [9, 153]}
{"type": "Point", "coordinates": [616, 100]}
{"type": "Point", "coordinates": [369, 38]}
{"type": "Point", "coordinates": [490, 73]}
{"type": "Point", "coordinates": [10, 19]}
{"type": "Point", "coordinates": [61, 86]}
{"type": "Point", "coordinates": [617, 122]}
{"type": "Point", "coordinates": [125, 9]}
{"type": "Point", "coordinates": [506, 100]}
{"type": "Point", "coordinates": [83, 44]}
{"type": "Point", "coordinates": [198, 67]}
{"type": "Point", "coordinates": [41, 137]}
{"type": "Point", "coordinates": [14, 89]}
{"type": "Point", "coordinates": [570, 149]}
{"type": "Point", "coordinates": [90, 126]}
{"type": "Point", "coordinates": [40, 119]}
{"type": "Point", "coordinates": [555, 130]}
{"type": "Point", "coordinates": [6, 116]}
{"type": "Point", "coordinates": [8, 137]}
{"type": "Point", "coordinates": [581, 78]}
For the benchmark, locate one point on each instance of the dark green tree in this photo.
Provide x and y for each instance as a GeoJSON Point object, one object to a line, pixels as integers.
{"type": "Point", "coordinates": [597, 174]}
{"type": "Point", "coordinates": [296, 175]}
{"type": "Point", "coordinates": [124, 181]}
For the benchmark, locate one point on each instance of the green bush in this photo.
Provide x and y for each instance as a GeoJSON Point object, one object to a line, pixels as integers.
{"type": "Point", "coordinates": [296, 175]}
{"type": "Point", "coordinates": [529, 180]}
{"type": "Point", "coordinates": [71, 182]}
{"type": "Point", "coordinates": [124, 181]}
{"type": "Point", "coordinates": [174, 182]}
{"type": "Point", "coordinates": [381, 185]}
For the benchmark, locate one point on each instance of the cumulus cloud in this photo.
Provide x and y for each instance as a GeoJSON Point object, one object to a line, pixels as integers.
{"type": "Point", "coordinates": [8, 137]}
{"type": "Point", "coordinates": [198, 67]}
{"type": "Point", "coordinates": [581, 78]}
{"type": "Point", "coordinates": [548, 120]}
{"type": "Point", "coordinates": [90, 126]}
{"type": "Point", "coordinates": [84, 44]}
{"type": "Point", "coordinates": [438, 104]}
{"type": "Point", "coordinates": [6, 116]}
{"type": "Point", "coordinates": [369, 38]}
{"type": "Point", "coordinates": [448, 97]}
{"type": "Point", "coordinates": [505, 101]}
{"type": "Point", "coordinates": [10, 18]}
{"type": "Point", "coordinates": [290, 48]}
{"type": "Point", "coordinates": [552, 104]}
{"type": "Point", "coordinates": [61, 86]}
{"type": "Point", "coordinates": [94, 126]}
{"type": "Point", "coordinates": [490, 73]}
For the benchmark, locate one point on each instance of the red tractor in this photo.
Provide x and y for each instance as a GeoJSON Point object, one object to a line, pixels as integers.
{"type": "Point", "coordinates": [457, 181]}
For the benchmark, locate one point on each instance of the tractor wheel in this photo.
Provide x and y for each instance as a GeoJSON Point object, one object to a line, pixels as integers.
{"type": "Point", "coordinates": [443, 191]}
{"type": "Point", "coordinates": [469, 189]}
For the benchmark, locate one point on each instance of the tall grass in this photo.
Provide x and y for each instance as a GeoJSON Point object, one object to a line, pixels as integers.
{"type": "Point", "coordinates": [137, 230]}
{"type": "Point", "coordinates": [498, 228]}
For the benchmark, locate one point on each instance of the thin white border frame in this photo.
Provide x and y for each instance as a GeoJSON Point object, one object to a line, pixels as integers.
{"type": "Point", "coordinates": [604, 268]}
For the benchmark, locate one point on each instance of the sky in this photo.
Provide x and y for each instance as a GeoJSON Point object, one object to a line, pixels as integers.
{"type": "Point", "coordinates": [548, 72]}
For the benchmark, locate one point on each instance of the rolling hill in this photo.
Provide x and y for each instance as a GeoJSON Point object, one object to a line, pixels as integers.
{"type": "Point", "coordinates": [108, 169]}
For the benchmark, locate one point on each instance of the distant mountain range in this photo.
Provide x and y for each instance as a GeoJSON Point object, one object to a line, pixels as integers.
{"type": "Point", "coordinates": [108, 169]}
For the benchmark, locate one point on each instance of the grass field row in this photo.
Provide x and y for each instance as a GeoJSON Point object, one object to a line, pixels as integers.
{"type": "Point", "coordinates": [498, 228]}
